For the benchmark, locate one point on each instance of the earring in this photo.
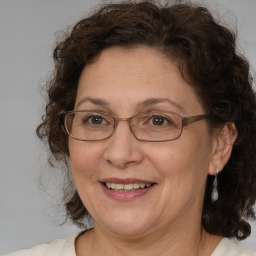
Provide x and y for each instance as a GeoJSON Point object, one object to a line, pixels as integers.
{"type": "Point", "coordinates": [215, 194]}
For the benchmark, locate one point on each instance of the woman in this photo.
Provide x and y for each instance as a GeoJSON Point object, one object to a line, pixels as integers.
{"type": "Point", "coordinates": [157, 117]}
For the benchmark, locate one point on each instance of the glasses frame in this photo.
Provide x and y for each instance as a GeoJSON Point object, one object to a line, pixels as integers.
{"type": "Point", "coordinates": [185, 122]}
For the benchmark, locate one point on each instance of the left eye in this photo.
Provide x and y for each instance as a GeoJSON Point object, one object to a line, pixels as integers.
{"type": "Point", "coordinates": [160, 120]}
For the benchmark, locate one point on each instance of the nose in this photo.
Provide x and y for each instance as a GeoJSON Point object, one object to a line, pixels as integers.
{"type": "Point", "coordinates": [123, 149]}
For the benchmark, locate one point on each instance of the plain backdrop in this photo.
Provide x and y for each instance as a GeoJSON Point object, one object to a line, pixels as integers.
{"type": "Point", "coordinates": [29, 212]}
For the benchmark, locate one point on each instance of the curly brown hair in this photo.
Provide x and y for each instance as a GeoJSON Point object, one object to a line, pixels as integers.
{"type": "Point", "coordinates": [205, 53]}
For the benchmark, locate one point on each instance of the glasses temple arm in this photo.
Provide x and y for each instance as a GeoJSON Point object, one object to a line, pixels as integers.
{"type": "Point", "coordinates": [189, 120]}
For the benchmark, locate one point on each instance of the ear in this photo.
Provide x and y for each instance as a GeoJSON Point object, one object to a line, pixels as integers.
{"type": "Point", "coordinates": [223, 141]}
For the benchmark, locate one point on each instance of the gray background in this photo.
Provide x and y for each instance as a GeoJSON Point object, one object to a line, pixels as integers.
{"type": "Point", "coordinates": [29, 212]}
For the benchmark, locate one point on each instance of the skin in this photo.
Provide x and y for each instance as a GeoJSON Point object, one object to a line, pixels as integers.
{"type": "Point", "coordinates": [167, 219]}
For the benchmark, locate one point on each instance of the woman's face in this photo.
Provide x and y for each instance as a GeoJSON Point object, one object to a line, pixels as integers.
{"type": "Point", "coordinates": [124, 83]}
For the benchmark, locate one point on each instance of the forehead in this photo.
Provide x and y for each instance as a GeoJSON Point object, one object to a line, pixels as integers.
{"type": "Point", "coordinates": [128, 76]}
{"type": "Point", "coordinates": [138, 60]}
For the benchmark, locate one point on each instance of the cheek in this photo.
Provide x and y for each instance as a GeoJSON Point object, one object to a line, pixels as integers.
{"type": "Point", "coordinates": [83, 159]}
{"type": "Point", "coordinates": [185, 159]}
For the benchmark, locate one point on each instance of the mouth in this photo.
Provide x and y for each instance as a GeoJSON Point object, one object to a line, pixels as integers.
{"type": "Point", "coordinates": [126, 189]}
{"type": "Point", "coordinates": [118, 187]}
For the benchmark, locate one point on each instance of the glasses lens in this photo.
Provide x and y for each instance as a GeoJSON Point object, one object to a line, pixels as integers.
{"type": "Point", "coordinates": [86, 125]}
{"type": "Point", "coordinates": [157, 126]}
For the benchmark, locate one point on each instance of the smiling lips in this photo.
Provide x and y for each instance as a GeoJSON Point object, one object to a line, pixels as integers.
{"type": "Point", "coordinates": [126, 190]}
{"type": "Point", "coordinates": [126, 187]}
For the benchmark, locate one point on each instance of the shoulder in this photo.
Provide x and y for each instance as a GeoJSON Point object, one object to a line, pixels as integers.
{"type": "Point", "coordinates": [59, 247]}
{"type": "Point", "coordinates": [227, 247]}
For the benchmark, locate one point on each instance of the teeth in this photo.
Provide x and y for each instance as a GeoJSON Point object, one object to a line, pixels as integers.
{"type": "Point", "coordinates": [126, 187]}
{"type": "Point", "coordinates": [136, 185]}
{"type": "Point", "coordinates": [119, 186]}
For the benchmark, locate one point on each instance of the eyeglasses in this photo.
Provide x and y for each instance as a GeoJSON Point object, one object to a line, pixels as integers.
{"type": "Point", "coordinates": [154, 126]}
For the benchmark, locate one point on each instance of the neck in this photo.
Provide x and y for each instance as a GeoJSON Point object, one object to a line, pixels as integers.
{"type": "Point", "coordinates": [194, 242]}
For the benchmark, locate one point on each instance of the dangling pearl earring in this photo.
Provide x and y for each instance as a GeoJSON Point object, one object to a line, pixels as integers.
{"type": "Point", "coordinates": [215, 194]}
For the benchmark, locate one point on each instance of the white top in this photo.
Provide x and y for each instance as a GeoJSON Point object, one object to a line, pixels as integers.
{"type": "Point", "coordinates": [66, 247]}
{"type": "Point", "coordinates": [227, 247]}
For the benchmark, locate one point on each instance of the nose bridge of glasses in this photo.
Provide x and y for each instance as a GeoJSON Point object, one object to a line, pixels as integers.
{"type": "Point", "coordinates": [119, 119]}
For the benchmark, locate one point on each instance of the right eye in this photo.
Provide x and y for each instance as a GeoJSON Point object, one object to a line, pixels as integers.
{"type": "Point", "coordinates": [94, 120]}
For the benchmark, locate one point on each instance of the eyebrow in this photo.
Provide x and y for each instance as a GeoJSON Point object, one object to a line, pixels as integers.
{"type": "Point", "coordinates": [147, 103]}
{"type": "Point", "coordinates": [155, 101]}
{"type": "Point", "coordinates": [95, 101]}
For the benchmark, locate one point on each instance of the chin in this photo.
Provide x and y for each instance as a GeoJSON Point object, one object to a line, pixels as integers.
{"type": "Point", "coordinates": [128, 226]}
